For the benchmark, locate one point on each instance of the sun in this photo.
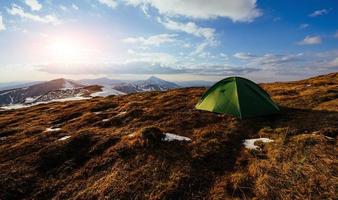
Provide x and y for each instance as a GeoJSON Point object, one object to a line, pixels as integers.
{"type": "Point", "coordinates": [71, 48]}
{"type": "Point", "coordinates": [66, 49]}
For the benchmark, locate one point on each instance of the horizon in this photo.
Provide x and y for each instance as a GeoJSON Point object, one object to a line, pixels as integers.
{"type": "Point", "coordinates": [14, 83]}
{"type": "Point", "coordinates": [42, 40]}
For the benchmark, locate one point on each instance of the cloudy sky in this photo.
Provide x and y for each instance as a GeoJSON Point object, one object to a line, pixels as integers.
{"type": "Point", "coordinates": [270, 40]}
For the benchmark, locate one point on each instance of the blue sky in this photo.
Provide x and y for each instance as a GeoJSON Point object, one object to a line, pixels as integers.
{"type": "Point", "coordinates": [270, 40]}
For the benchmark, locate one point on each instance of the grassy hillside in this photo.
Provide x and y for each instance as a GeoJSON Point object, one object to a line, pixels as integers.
{"type": "Point", "coordinates": [116, 148]}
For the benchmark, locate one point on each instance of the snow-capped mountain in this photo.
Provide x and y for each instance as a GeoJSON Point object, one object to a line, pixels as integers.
{"type": "Point", "coordinates": [119, 86]}
{"type": "Point", "coordinates": [154, 83]}
{"type": "Point", "coordinates": [62, 89]}
{"type": "Point", "coordinates": [60, 94]}
{"type": "Point", "coordinates": [38, 91]}
{"type": "Point", "coordinates": [151, 84]}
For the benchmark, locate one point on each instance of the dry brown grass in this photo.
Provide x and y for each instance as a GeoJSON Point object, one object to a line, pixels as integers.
{"type": "Point", "coordinates": [124, 156]}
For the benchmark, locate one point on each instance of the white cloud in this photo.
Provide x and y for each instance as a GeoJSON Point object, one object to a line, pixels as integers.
{"type": "Point", "coordinates": [129, 67]}
{"type": "Point", "coordinates": [208, 34]}
{"type": "Point", "coordinates": [319, 13]}
{"type": "Point", "coordinates": [325, 60]}
{"type": "Point", "coordinates": [163, 59]}
{"type": "Point", "coordinates": [268, 60]}
{"type": "Point", "coordinates": [333, 63]}
{"type": "Point", "coordinates": [33, 4]}
{"type": "Point", "coordinates": [136, 63]}
{"type": "Point", "coordinates": [272, 60]}
{"type": "Point", "coordinates": [294, 65]}
{"type": "Point", "coordinates": [2, 25]}
{"type": "Point", "coordinates": [152, 40]}
{"type": "Point", "coordinates": [143, 67]}
{"type": "Point", "coordinates": [236, 10]}
{"type": "Point", "coordinates": [64, 8]}
{"type": "Point", "coordinates": [190, 28]}
{"type": "Point", "coordinates": [110, 3]}
{"type": "Point", "coordinates": [270, 67]}
{"type": "Point", "coordinates": [18, 11]}
{"type": "Point", "coordinates": [310, 40]}
{"type": "Point", "coordinates": [304, 26]}
{"type": "Point", "coordinates": [224, 56]}
{"type": "Point", "coordinates": [205, 55]}
{"type": "Point", "coordinates": [200, 48]}
{"type": "Point", "coordinates": [145, 10]}
{"type": "Point", "coordinates": [186, 45]}
{"type": "Point", "coordinates": [243, 56]}
{"type": "Point", "coordinates": [75, 7]}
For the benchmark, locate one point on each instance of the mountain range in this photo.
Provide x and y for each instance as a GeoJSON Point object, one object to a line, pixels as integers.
{"type": "Point", "coordinates": [69, 89]}
{"type": "Point", "coordinates": [40, 91]}
{"type": "Point", "coordinates": [151, 84]}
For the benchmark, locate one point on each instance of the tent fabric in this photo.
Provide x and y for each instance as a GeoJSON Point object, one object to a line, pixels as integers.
{"type": "Point", "coordinates": [238, 97]}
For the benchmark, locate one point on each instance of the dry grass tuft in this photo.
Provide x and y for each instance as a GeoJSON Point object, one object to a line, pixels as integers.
{"type": "Point", "coordinates": [151, 136]}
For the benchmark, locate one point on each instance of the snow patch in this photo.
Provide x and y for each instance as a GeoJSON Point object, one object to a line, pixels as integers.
{"type": "Point", "coordinates": [2, 138]}
{"type": "Point", "coordinates": [250, 143]}
{"type": "Point", "coordinates": [77, 98]}
{"type": "Point", "coordinates": [18, 106]}
{"type": "Point", "coordinates": [171, 137]}
{"type": "Point", "coordinates": [6, 92]}
{"type": "Point", "coordinates": [67, 85]}
{"type": "Point", "coordinates": [122, 113]}
{"type": "Point", "coordinates": [12, 99]}
{"type": "Point", "coordinates": [31, 99]}
{"type": "Point", "coordinates": [106, 91]}
{"type": "Point", "coordinates": [131, 135]}
{"type": "Point", "coordinates": [64, 138]}
{"type": "Point", "coordinates": [52, 129]}
{"type": "Point", "coordinates": [330, 138]}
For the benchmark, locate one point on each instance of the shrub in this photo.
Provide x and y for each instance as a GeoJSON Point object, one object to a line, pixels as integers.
{"type": "Point", "coordinates": [151, 136]}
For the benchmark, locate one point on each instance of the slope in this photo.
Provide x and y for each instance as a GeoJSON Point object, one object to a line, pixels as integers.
{"type": "Point", "coordinates": [116, 147]}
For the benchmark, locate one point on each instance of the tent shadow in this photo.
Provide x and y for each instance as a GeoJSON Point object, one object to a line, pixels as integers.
{"type": "Point", "coordinates": [296, 120]}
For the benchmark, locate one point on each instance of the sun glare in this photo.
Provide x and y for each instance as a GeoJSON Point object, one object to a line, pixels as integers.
{"type": "Point", "coordinates": [67, 49]}
{"type": "Point", "coordinates": [71, 48]}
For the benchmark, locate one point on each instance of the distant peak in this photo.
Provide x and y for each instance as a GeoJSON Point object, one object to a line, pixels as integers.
{"type": "Point", "coordinates": [154, 78]}
{"type": "Point", "coordinates": [59, 79]}
{"type": "Point", "coordinates": [56, 81]}
{"type": "Point", "coordinates": [63, 80]}
{"type": "Point", "coordinates": [63, 83]}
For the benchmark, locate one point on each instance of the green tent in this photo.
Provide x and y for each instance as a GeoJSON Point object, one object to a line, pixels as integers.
{"type": "Point", "coordinates": [238, 97]}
